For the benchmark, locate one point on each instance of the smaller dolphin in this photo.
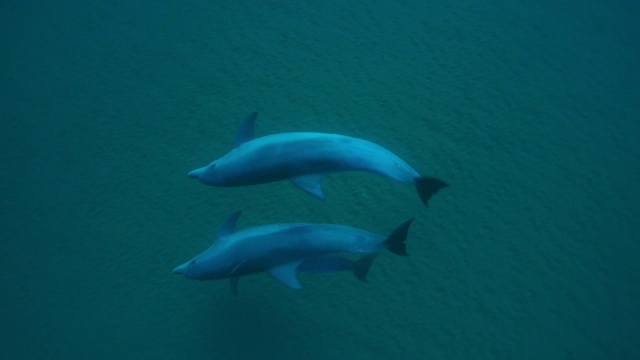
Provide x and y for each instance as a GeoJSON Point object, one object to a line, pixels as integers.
{"type": "Point", "coordinates": [303, 158]}
{"type": "Point", "coordinates": [281, 250]}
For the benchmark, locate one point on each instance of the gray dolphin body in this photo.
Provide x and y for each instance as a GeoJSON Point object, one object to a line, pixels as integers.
{"type": "Point", "coordinates": [281, 250]}
{"type": "Point", "coordinates": [303, 158]}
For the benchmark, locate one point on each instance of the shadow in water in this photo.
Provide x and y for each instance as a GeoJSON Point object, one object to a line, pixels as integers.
{"type": "Point", "coordinates": [249, 328]}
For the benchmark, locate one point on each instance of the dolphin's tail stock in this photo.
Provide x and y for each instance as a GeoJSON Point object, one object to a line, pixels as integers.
{"type": "Point", "coordinates": [427, 187]}
{"type": "Point", "coordinates": [395, 242]}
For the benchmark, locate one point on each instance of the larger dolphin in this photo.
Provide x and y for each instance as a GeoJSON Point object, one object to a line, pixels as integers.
{"type": "Point", "coordinates": [284, 249]}
{"type": "Point", "coordinates": [303, 158]}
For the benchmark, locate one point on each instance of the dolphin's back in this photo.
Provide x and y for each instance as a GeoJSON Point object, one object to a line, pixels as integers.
{"type": "Point", "coordinates": [288, 155]}
{"type": "Point", "coordinates": [302, 240]}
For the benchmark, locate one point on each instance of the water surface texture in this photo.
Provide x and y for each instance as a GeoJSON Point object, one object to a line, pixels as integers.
{"type": "Point", "coordinates": [528, 109]}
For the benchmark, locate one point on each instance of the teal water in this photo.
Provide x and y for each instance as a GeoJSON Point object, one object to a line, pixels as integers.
{"type": "Point", "coordinates": [530, 110]}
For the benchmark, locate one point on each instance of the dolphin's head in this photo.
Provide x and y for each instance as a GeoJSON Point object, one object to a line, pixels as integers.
{"type": "Point", "coordinates": [207, 175]}
{"type": "Point", "coordinates": [194, 269]}
{"type": "Point", "coordinates": [190, 270]}
{"type": "Point", "coordinates": [204, 267]}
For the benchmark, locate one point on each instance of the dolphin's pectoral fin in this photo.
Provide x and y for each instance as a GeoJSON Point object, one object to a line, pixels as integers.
{"type": "Point", "coordinates": [245, 132]}
{"type": "Point", "coordinates": [310, 184]}
{"type": "Point", "coordinates": [234, 285]}
{"type": "Point", "coordinates": [286, 274]}
{"type": "Point", "coordinates": [326, 264]}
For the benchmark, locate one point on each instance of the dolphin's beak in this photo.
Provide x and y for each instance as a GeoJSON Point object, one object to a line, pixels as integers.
{"type": "Point", "coordinates": [195, 174]}
{"type": "Point", "coordinates": [180, 269]}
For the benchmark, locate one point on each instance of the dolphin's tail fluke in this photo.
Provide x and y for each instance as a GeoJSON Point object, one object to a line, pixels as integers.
{"type": "Point", "coordinates": [427, 187]}
{"type": "Point", "coordinates": [396, 241]}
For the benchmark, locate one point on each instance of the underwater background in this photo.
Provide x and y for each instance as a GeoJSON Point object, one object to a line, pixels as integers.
{"type": "Point", "coordinates": [530, 110]}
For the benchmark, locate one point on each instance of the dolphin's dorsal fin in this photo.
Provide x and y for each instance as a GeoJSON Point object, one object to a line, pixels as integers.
{"type": "Point", "coordinates": [228, 225]}
{"type": "Point", "coordinates": [245, 132]}
{"type": "Point", "coordinates": [286, 274]}
{"type": "Point", "coordinates": [310, 184]}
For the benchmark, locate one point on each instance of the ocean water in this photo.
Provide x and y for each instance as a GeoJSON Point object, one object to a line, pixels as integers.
{"type": "Point", "coordinates": [530, 110]}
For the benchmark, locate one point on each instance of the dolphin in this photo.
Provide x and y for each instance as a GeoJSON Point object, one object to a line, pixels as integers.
{"type": "Point", "coordinates": [281, 250]}
{"type": "Point", "coordinates": [303, 158]}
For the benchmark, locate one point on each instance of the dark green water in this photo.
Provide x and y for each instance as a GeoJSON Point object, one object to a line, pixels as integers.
{"type": "Point", "coordinates": [530, 110]}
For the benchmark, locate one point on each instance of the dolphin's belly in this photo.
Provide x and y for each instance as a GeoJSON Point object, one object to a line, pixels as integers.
{"type": "Point", "coordinates": [283, 156]}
